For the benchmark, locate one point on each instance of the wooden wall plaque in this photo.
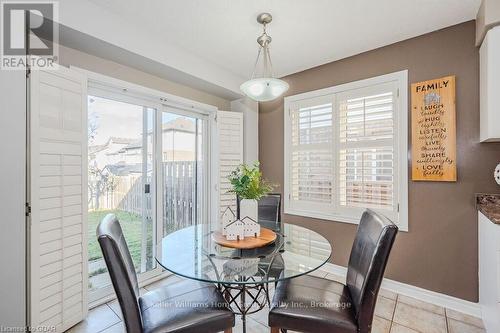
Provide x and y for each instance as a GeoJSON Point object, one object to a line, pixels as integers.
{"type": "Point", "coordinates": [433, 130]}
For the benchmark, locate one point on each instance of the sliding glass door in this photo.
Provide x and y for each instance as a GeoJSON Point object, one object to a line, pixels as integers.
{"type": "Point", "coordinates": [120, 173]}
{"type": "Point", "coordinates": [183, 169]}
{"type": "Point", "coordinates": [147, 164]}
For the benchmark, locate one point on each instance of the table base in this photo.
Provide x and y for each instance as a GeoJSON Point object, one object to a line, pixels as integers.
{"type": "Point", "coordinates": [237, 295]}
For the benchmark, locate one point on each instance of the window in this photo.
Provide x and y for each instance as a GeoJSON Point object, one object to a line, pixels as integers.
{"type": "Point", "coordinates": [346, 150]}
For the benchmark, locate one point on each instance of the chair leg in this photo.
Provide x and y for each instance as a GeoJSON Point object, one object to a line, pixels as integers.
{"type": "Point", "coordinates": [266, 288]}
{"type": "Point", "coordinates": [275, 330]}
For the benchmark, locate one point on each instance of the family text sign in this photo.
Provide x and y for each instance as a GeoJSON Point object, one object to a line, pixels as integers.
{"type": "Point", "coordinates": [433, 124]}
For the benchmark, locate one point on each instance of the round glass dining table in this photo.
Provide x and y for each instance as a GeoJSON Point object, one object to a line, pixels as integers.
{"type": "Point", "coordinates": [243, 276]}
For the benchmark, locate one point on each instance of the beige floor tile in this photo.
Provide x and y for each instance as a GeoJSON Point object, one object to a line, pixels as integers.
{"type": "Point", "coordinates": [116, 328]}
{"type": "Point", "coordinates": [421, 304]}
{"type": "Point", "coordinates": [455, 326]}
{"type": "Point", "coordinates": [318, 273]}
{"type": "Point", "coordinates": [396, 328]}
{"type": "Point", "coordinates": [335, 277]}
{"type": "Point", "coordinates": [261, 316]}
{"type": "Point", "coordinates": [387, 294]}
{"type": "Point", "coordinates": [98, 319]}
{"type": "Point", "coordinates": [468, 319]}
{"type": "Point", "coordinates": [419, 319]}
{"type": "Point", "coordinates": [381, 325]}
{"type": "Point", "coordinates": [385, 307]}
{"type": "Point", "coordinates": [252, 326]}
{"type": "Point", "coordinates": [115, 306]}
{"type": "Point", "coordinates": [163, 282]}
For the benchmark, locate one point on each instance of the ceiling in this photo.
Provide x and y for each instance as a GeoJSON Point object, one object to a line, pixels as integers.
{"type": "Point", "coordinates": [306, 33]}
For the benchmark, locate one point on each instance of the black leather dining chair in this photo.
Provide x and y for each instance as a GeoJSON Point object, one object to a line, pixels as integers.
{"type": "Point", "coordinates": [269, 210]}
{"type": "Point", "coordinates": [184, 307]}
{"type": "Point", "coordinates": [329, 306]}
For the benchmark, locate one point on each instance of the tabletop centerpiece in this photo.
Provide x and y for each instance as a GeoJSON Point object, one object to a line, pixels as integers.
{"type": "Point", "coordinates": [245, 232]}
{"type": "Point", "coordinates": [247, 183]}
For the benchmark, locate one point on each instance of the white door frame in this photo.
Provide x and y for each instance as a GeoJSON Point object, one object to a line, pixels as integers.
{"type": "Point", "coordinates": [160, 101]}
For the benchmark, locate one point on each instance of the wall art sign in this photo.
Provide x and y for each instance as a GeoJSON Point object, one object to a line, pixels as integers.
{"type": "Point", "coordinates": [433, 124]}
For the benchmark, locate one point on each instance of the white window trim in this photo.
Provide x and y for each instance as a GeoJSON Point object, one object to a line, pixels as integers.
{"type": "Point", "coordinates": [401, 117]}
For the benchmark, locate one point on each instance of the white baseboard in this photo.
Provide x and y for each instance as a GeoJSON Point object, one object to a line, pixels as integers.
{"type": "Point", "coordinates": [450, 302]}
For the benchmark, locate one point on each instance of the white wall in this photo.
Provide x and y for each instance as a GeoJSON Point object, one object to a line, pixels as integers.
{"type": "Point", "coordinates": [12, 198]}
{"type": "Point", "coordinates": [250, 110]}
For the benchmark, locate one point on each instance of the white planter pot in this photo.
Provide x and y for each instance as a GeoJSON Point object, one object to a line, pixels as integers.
{"type": "Point", "coordinates": [250, 208]}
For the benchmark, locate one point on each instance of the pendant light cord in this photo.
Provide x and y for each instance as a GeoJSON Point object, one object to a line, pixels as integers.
{"type": "Point", "coordinates": [267, 63]}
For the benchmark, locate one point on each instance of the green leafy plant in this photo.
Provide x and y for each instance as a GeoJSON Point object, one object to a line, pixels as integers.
{"type": "Point", "coordinates": [247, 182]}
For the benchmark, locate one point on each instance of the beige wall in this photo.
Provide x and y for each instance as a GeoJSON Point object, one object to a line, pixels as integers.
{"type": "Point", "coordinates": [440, 250]}
{"type": "Point", "coordinates": [68, 57]}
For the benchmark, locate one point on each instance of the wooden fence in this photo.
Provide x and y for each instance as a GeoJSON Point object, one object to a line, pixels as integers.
{"type": "Point", "coordinates": [179, 190]}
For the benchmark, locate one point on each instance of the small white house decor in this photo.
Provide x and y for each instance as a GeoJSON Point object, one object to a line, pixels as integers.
{"type": "Point", "coordinates": [227, 218]}
{"type": "Point", "coordinates": [497, 174]}
{"type": "Point", "coordinates": [239, 229]}
{"type": "Point", "coordinates": [248, 185]}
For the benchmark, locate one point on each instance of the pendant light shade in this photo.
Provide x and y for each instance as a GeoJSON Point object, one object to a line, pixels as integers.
{"type": "Point", "coordinates": [264, 87]}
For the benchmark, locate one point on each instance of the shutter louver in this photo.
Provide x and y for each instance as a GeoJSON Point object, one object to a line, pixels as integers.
{"type": "Point", "coordinates": [366, 147]}
{"type": "Point", "coordinates": [58, 133]}
{"type": "Point", "coordinates": [230, 125]}
{"type": "Point", "coordinates": [311, 160]}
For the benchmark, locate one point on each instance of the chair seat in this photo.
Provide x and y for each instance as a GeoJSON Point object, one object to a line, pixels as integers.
{"type": "Point", "coordinates": [185, 307]}
{"type": "Point", "coordinates": [312, 304]}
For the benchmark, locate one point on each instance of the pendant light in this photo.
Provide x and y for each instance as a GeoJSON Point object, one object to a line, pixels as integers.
{"type": "Point", "coordinates": [263, 86]}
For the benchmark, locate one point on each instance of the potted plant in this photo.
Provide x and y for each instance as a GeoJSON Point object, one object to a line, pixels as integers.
{"type": "Point", "coordinates": [248, 184]}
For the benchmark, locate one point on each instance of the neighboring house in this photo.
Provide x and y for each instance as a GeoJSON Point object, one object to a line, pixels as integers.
{"type": "Point", "coordinates": [110, 152]}
{"type": "Point", "coordinates": [178, 144]}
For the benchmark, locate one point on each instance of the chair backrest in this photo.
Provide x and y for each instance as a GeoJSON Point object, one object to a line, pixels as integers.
{"type": "Point", "coordinates": [121, 270]}
{"type": "Point", "coordinates": [270, 207]}
{"type": "Point", "coordinates": [367, 262]}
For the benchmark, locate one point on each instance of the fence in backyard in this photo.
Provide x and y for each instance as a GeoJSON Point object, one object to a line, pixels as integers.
{"type": "Point", "coordinates": [178, 190]}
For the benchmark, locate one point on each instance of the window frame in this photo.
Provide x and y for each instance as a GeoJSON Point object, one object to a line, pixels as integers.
{"type": "Point", "coordinates": [400, 217]}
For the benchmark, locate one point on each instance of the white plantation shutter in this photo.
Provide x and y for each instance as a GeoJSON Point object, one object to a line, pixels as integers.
{"type": "Point", "coordinates": [311, 154]}
{"type": "Point", "coordinates": [366, 144]}
{"type": "Point", "coordinates": [230, 129]}
{"type": "Point", "coordinates": [58, 251]}
{"type": "Point", "coordinates": [345, 150]}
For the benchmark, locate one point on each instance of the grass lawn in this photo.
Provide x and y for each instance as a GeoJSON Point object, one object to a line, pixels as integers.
{"type": "Point", "coordinates": [131, 225]}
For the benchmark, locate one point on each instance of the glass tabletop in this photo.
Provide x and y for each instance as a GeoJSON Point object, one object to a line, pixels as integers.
{"type": "Point", "coordinates": [192, 253]}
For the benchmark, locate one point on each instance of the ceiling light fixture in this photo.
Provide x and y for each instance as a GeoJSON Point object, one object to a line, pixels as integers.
{"type": "Point", "coordinates": [263, 87]}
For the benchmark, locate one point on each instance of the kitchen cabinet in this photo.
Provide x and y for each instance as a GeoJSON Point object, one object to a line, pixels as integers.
{"type": "Point", "coordinates": [489, 55]}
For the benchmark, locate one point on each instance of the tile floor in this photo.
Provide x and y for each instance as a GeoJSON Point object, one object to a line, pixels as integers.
{"type": "Point", "coordinates": [393, 314]}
